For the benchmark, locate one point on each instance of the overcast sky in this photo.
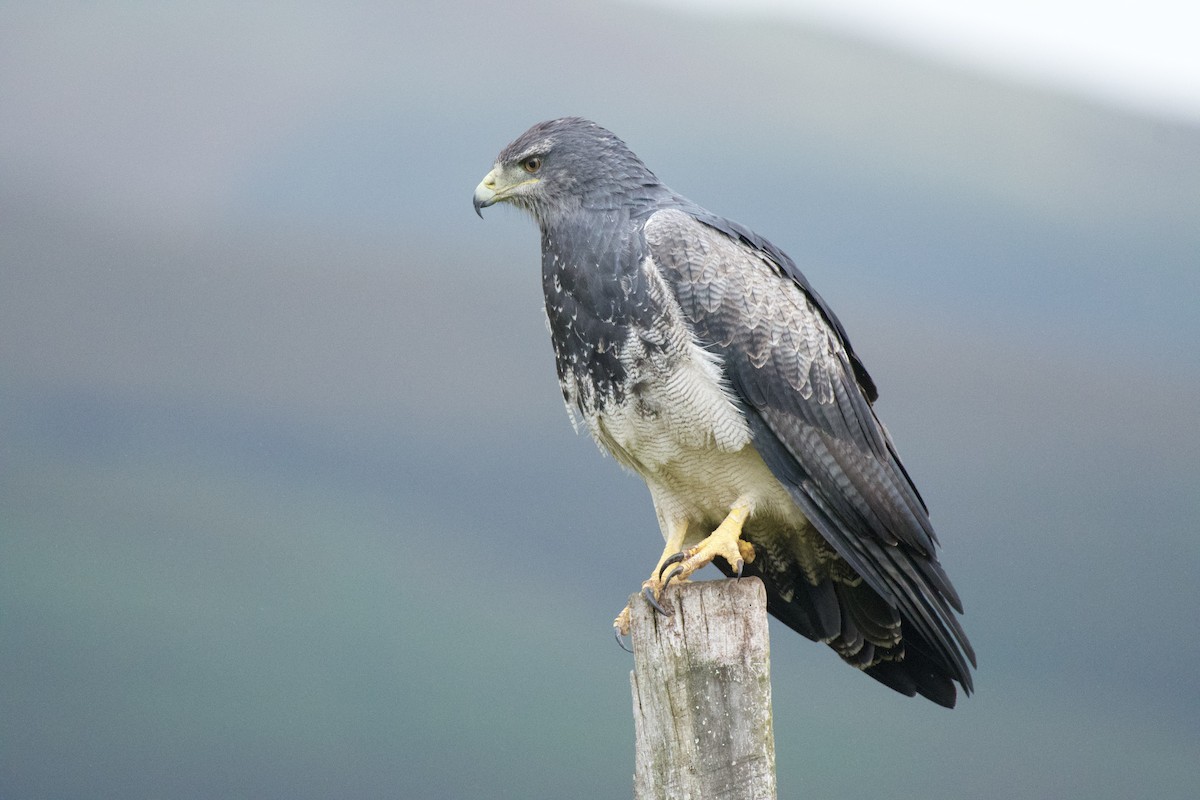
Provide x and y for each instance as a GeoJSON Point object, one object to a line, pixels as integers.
{"type": "Point", "coordinates": [1142, 54]}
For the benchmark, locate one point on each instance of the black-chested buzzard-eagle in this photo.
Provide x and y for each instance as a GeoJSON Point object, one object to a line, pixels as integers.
{"type": "Point", "coordinates": [699, 356]}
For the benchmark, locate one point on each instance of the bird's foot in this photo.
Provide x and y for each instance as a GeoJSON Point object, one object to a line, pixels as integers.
{"type": "Point", "coordinates": [677, 565]}
{"type": "Point", "coordinates": [726, 541]}
{"type": "Point", "coordinates": [621, 626]}
{"type": "Point", "coordinates": [652, 590]}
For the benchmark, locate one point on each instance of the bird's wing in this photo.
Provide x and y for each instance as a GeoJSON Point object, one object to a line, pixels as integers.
{"type": "Point", "coordinates": [808, 403]}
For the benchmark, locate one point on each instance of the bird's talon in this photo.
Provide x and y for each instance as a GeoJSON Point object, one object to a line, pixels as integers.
{"type": "Point", "coordinates": [648, 593]}
{"type": "Point", "coordinates": [675, 559]}
{"type": "Point", "coordinates": [740, 563]}
{"type": "Point", "coordinates": [620, 641]}
{"type": "Point", "coordinates": [671, 575]}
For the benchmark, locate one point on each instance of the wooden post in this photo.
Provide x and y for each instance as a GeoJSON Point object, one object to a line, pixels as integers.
{"type": "Point", "coordinates": [702, 694]}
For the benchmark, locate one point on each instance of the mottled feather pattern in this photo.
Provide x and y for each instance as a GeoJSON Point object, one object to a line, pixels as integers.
{"type": "Point", "coordinates": [637, 380]}
{"type": "Point", "coordinates": [591, 308]}
{"type": "Point", "coordinates": [788, 362]}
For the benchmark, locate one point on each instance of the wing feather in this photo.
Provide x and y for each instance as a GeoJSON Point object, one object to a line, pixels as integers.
{"type": "Point", "coordinates": [808, 400]}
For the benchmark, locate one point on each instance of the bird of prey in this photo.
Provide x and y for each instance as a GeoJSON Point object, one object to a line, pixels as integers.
{"type": "Point", "coordinates": [698, 355]}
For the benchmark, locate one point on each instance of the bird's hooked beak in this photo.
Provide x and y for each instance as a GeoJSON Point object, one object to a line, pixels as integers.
{"type": "Point", "coordinates": [502, 184]}
{"type": "Point", "coordinates": [485, 193]}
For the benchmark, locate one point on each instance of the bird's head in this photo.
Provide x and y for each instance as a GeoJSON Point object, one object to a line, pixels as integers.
{"type": "Point", "coordinates": [562, 166]}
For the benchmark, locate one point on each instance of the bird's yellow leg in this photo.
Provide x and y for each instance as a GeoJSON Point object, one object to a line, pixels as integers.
{"type": "Point", "coordinates": [677, 530]}
{"type": "Point", "coordinates": [726, 541]}
{"type": "Point", "coordinates": [674, 545]}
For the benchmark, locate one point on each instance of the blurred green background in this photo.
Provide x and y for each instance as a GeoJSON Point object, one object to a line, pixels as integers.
{"type": "Point", "coordinates": [290, 508]}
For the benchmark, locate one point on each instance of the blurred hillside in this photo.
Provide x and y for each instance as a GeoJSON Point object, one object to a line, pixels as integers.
{"type": "Point", "coordinates": [289, 504]}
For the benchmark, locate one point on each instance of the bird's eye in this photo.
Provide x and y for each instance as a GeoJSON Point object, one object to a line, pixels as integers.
{"type": "Point", "coordinates": [532, 164]}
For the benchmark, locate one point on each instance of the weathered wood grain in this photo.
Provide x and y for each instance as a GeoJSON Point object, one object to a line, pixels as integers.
{"type": "Point", "coordinates": [702, 694]}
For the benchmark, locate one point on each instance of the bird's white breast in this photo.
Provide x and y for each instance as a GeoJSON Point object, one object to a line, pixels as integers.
{"type": "Point", "coordinates": [678, 426]}
{"type": "Point", "coordinates": [676, 399]}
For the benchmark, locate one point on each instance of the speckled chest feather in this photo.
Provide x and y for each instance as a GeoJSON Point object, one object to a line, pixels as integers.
{"type": "Point", "coordinates": [628, 362]}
